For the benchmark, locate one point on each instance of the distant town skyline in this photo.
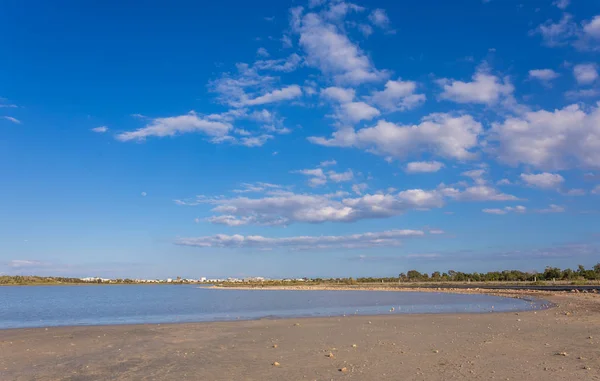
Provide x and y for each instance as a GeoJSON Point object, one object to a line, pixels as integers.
{"type": "Point", "coordinates": [319, 138]}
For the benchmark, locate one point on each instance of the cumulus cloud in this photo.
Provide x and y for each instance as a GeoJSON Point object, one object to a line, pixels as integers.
{"type": "Point", "coordinates": [283, 207]}
{"type": "Point", "coordinates": [101, 129]}
{"type": "Point", "coordinates": [543, 180]}
{"type": "Point", "coordinates": [339, 94]}
{"type": "Point", "coordinates": [354, 112]}
{"type": "Point", "coordinates": [543, 75]}
{"type": "Point", "coordinates": [592, 28]}
{"type": "Point", "coordinates": [397, 96]}
{"type": "Point", "coordinates": [330, 50]}
{"type": "Point", "coordinates": [175, 125]}
{"type": "Point", "coordinates": [585, 74]}
{"type": "Point", "coordinates": [551, 140]}
{"type": "Point", "coordinates": [352, 241]}
{"type": "Point", "coordinates": [423, 166]}
{"type": "Point", "coordinates": [444, 135]}
{"type": "Point", "coordinates": [484, 88]}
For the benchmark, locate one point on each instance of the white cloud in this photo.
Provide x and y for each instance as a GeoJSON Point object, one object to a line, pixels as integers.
{"type": "Point", "coordinates": [284, 65]}
{"type": "Point", "coordinates": [345, 109]}
{"type": "Point", "coordinates": [338, 177]}
{"type": "Point", "coordinates": [230, 220]}
{"type": "Point", "coordinates": [553, 208]}
{"type": "Point", "coordinates": [339, 94]}
{"type": "Point", "coordinates": [592, 28]}
{"type": "Point", "coordinates": [338, 10]}
{"type": "Point", "coordinates": [557, 34]}
{"type": "Point", "coordinates": [359, 189]}
{"type": "Point", "coordinates": [543, 180]}
{"type": "Point", "coordinates": [397, 95]}
{"type": "Point", "coordinates": [561, 4]}
{"type": "Point", "coordinates": [329, 49]}
{"type": "Point", "coordinates": [21, 263]}
{"type": "Point", "coordinates": [379, 18]}
{"type": "Point", "coordinates": [424, 166]}
{"type": "Point", "coordinates": [585, 74]}
{"type": "Point", "coordinates": [262, 52]}
{"type": "Point", "coordinates": [505, 210]}
{"type": "Point", "coordinates": [254, 141]}
{"type": "Point", "coordinates": [257, 187]}
{"type": "Point", "coordinates": [484, 89]}
{"type": "Point", "coordinates": [354, 112]}
{"type": "Point", "coordinates": [175, 125]}
{"type": "Point", "coordinates": [494, 211]}
{"type": "Point", "coordinates": [575, 192]}
{"type": "Point", "coordinates": [286, 93]}
{"type": "Point", "coordinates": [353, 241]}
{"type": "Point", "coordinates": [549, 140]}
{"type": "Point", "coordinates": [365, 29]}
{"type": "Point", "coordinates": [596, 190]}
{"type": "Point", "coordinates": [11, 119]}
{"type": "Point", "coordinates": [327, 163]}
{"type": "Point", "coordinates": [318, 177]}
{"type": "Point", "coordinates": [479, 192]}
{"type": "Point", "coordinates": [543, 75]}
{"type": "Point", "coordinates": [280, 207]}
{"type": "Point", "coordinates": [582, 93]}
{"type": "Point", "coordinates": [441, 134]}
{"type": "Point", "coordinates": [101, 129]}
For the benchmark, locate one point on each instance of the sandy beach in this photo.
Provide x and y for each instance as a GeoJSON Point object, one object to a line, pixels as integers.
{"type": "Point", "coordinates": [561, 343]}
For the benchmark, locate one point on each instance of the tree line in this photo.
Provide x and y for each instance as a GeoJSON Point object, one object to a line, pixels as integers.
{"type": "Point", "coordinates": [549, 274]}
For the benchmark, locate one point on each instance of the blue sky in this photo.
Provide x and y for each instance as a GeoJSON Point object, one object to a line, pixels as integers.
{"type": "Point", "coordinates": [320, 138]}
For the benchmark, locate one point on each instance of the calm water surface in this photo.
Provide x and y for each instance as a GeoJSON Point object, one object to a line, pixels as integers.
{"type": "Point", "coordinates": [44, 306]}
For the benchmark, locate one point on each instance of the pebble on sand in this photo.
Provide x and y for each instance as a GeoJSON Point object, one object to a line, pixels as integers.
{"type": "Point", "coordinates": [344, 369]}
{"type": "Point", "coordinates": [274, 345]}
{"type": "Point", "coordinates": [562, 354]}
{"type": "Point", "coordinates": [354, 345]}
{"type": "Point", "coordinates": [330, 355]}
{"type": "Point", "coordinates": [276, 363]}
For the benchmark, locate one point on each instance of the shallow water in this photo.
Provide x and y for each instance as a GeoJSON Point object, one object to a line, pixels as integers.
{"type": "Point", "coordinates": [44, 306]}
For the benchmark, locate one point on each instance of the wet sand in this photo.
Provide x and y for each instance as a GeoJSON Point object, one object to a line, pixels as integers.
{"type": "Point", "coordinates": [561, 343]}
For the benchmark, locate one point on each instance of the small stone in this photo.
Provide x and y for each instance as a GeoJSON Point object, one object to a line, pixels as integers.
{"type": "Point", "coordinates": [436, 351]}
{"type": "Point", "coordinates": [354, 345]}
{"type": "Point", "coordinates": [565, 354]}
{"type": "Point", "coordinates": [587, 368]}
{"type": "Point", "coordinates": [276, 363]}
{"type": "Point", "coordinates": [274, 345]}
{"type": "Point", "coordinates": [296, 324]}
{"type": "Point", "coordinates": [330, 355]}
{"type": "Point", "coordinates": [343, 370]}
